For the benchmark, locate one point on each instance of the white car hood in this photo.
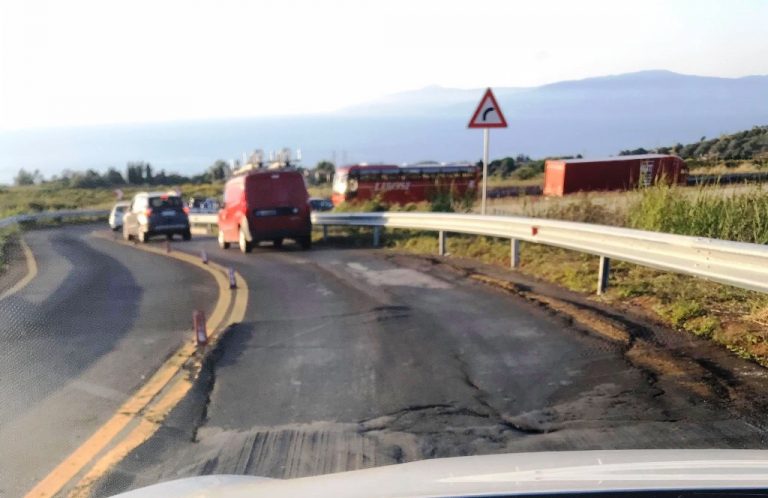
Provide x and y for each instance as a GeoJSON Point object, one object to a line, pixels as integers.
{"type": "Point", "coordinates": [519, 473]}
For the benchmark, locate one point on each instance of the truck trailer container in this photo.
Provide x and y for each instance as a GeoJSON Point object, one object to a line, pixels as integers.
{"type": "Point", "coordinates": [566, 176]}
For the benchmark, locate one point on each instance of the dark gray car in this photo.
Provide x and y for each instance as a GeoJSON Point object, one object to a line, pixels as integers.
{"type": "Point", "coordinates": [155, 213]}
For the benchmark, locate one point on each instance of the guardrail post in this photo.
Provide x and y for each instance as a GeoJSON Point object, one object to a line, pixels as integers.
{"type": "Point", "coordinates": [514, 261]}
{"type": "Point", "coordinates": [376, 236]}
{"type": "Point", "coordinates": [441, 243]}
{"type": "Point", "coordinates": [602, 277]}
{"type": "Point", "coordinates": [325, 233]}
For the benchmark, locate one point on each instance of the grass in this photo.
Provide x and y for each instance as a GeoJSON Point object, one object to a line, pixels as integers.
{"type": "Point", "coordinates": [511, 181]}
{"type": "Point", "coordinates": [740, 216]}
{"type": "Point", "coordinates": [723, 168]}
{"type": "Point", "coordinates": [324, 190]}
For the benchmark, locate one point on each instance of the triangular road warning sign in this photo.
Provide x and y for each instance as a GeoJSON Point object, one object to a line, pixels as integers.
{"type": "Point", "coordinates": [488, 113]}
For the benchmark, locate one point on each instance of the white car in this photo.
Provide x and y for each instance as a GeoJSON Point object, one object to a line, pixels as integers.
{"type": "Point", "coordinates": [116, 215]}
{"type": "Point", "coordinates": [555, 474]}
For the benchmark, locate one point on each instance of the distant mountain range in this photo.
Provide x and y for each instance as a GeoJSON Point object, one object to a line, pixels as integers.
{"type": "Point", "coordinates": [593, 116]}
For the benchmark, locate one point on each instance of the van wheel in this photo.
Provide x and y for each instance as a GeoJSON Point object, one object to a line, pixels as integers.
{"type": "Point", "coordinates": [186, 235]}
{"type": "Point", "coordinates": [278, 243]}
{"type": "Point", "coordinates": [143, 237]}
{"type": "Point", "coordinates": [305, 242]}
{"type": "Point", "coordinates": [222, 243]}
{"type": "Point", "coordinates": [245, 246]}
{"type": "Point", "coordinates": [126, 235]}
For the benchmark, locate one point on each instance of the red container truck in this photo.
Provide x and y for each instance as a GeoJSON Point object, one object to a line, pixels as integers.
{"type": "Point", "coordinates": [566, 176]}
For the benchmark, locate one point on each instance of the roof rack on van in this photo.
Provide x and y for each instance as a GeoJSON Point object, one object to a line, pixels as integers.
{"type": "Point", "coordinates": [277, 160]}
{"type": "Point", "coordinates": [251, 168]}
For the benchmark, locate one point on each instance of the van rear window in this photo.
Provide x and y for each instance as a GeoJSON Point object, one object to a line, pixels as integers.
{"type": "Point", "coordinates": [162, 202]}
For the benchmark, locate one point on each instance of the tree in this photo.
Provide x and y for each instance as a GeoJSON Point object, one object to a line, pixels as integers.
{"type": "Point", "coordinates": [325, 167]}
{"type": "Point", "coordinates": [148, 173]}
{"type": "Point", "coordinates": [161, 178]}
{"type": "Point", "coordinates": [24, 177]}
{"type": "Point", "coordinates": [219, 170]}
{"type": "Point", "coordinates": [324, 170]}
{"type": "Point", "coordinates": [134, 172]}
{"type": "Point", "coordinates": [634, 152]}
{"type": "Point", "coordinates": [113, 177]}
{"type": "Point", "coordinates": [88, 179]}
{"type": "Point", "coordinates": [502, 167]}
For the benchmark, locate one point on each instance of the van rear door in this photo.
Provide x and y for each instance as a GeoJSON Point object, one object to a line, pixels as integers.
{"type": "Point", "coordinates": [276, 193]}
{"type": "Point", "coordinates": [277, 203]}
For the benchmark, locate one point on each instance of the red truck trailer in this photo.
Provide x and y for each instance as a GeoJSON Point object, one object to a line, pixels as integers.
{"type": "Point", "coordinates": [566, 176]}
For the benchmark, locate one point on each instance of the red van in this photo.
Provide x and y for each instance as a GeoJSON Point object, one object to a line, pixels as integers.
{"type": "Point", "coordinates": [265, 205]}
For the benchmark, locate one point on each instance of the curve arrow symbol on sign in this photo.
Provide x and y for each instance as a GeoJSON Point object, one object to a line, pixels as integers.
{"type": "Point", "coordinates": [488, 113]}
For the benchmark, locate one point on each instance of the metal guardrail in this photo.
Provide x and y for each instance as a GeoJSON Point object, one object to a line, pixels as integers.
{"type": "Point", "coordinates": [734, 263]}
{"type": "Point", "coordinates": [50, 215]}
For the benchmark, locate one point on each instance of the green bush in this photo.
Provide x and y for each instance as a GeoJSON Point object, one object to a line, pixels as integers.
{"type": "Point", "coordinates": [525, 173]}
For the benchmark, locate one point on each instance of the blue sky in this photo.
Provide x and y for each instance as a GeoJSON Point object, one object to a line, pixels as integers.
{"type": "Point", "coordinates": [87, 62]}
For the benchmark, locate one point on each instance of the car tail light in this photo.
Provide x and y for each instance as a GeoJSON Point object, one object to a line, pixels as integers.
{"type": "Point", "coordinates": [186, 210]}
{"type": "Point", "coordinates": [148, 212]}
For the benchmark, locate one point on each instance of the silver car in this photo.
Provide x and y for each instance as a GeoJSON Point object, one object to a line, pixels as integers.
{"type": "Point", "coordinates": [116, 215]}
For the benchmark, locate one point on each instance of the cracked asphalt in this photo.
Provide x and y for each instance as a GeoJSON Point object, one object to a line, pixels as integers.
{"type": "Point", "coordinates": [356, 358]}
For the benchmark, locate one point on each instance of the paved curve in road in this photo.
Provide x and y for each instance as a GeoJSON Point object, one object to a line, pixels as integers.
{"type": "Point", "coordinates": [350, 359]}
{"type": "Point", "coordinates": [97, 319]}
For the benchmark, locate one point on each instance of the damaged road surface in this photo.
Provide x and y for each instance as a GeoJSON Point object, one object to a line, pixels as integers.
{"type": "Point", "coordinates": [352, 358]}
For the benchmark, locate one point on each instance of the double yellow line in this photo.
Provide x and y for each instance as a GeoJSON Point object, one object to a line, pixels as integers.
{"type": "Point", "coordinates": [142, 414]}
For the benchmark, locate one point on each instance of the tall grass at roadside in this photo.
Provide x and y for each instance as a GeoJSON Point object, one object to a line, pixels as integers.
{"type": "Point", "coordinates": [583, 207]}
{"type": "Point", "coordinates": [709, 212]}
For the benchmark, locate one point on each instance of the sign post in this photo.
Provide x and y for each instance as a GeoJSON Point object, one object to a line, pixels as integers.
{"type": "Point", "coordinates": [487, 115]}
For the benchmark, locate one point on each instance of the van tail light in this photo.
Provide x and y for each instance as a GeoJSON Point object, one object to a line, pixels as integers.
{"type": "Point", "coordinates": [186, 210]}
{"type": "Point", "coordinates": [148, 212]}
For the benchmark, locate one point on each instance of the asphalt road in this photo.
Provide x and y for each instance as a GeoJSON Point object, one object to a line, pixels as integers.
{"type": "Point", "coordinates": [356, 358]}
{"type": "Point", "coordinates": [84, 334]}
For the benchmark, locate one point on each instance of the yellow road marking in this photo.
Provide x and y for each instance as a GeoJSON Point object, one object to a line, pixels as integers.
{"type": "Point", "coordinates": [149, 422]}
{"type": "Point", "coordinates": [131, 441]}
{"type": "Point", "coordinates": [31, 271]}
